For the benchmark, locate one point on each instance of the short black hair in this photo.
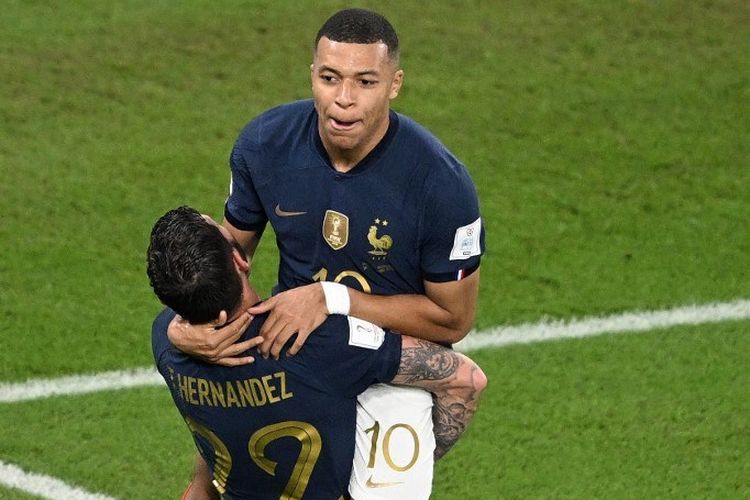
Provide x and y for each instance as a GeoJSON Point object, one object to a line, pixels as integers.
{"type": "Point", "coordinates": [360, 26]}
{"type": "Point", "coordinates": [191, 268]}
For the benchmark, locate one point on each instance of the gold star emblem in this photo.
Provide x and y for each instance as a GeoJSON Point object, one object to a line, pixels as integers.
{"type": "Point", "coordinates": [377, 221]}
{"type": "Point", "coordinates": [385, 222]}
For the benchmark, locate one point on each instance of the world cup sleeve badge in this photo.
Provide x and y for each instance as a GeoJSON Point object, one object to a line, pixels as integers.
{"type": "Point", "coordinates": [466, 241]}
{"type": "Point", "coordinates": [365, 334]}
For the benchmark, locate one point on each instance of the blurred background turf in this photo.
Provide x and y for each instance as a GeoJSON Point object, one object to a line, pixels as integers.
{"type": "Point", "coordinates": [608, 141]}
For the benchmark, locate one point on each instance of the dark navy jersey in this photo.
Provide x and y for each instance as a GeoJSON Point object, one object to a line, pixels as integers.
{"type": "Point", "coordinates": [407, 213]}
{"type": "Point", "coordinates": [286, 427]}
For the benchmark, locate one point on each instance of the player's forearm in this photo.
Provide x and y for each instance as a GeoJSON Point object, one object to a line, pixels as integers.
{"type": "Point", "coordinates": [453, 409]}
{"type": "Point", "coordinates": [414, 315]}
{"type": "Point", "coordinates": [455, 381]}
{"type": "Point", "coordinates": [201, 487]}
{"type": "Point", "coordinates": [452, 412]}
{"type": "Point", "coordinates": [248, 240]}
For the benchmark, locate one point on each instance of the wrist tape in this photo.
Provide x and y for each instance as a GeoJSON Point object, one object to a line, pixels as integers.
{"type": "Point", "coordinates": [337, 297]}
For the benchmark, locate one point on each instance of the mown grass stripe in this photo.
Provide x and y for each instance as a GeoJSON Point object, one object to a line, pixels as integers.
{"type": "Point", "coordinates": [43, 486]}
{"type": "Point", "coordinates": [542, 331]}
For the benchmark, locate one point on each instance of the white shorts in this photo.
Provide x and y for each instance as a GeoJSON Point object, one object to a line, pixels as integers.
{"type": "Point", "coordinates": [394, 452]}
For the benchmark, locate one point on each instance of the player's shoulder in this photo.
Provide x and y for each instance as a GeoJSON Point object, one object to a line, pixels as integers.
{"type": "Point", "coordinates": [283, 115]}
{"type": "Point", "coordinates": [159, 340]}
{"type": "Point", "coordinates": [438, 161]}
{"type": "Point", "coordinates": [161, 322]}
{"type": "Point", "coordinates": [347, 354]}
{"type": "Point", "coordinates": [278, 126]}
{"type": "Point", "coordinates": [419, 137]}
{"type": "Point", "coordinates": [331, 331]}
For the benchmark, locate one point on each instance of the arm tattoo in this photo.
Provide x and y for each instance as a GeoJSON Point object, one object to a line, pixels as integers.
{"type": "Point", "coordinates": [451, 379]}
{"type": "Point", "coordinates": [451, 415]}
{"type": "Point", "coordinates": [427, 361]}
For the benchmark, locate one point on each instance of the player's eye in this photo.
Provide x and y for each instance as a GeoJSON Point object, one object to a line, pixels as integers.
{"type": "Point", "coordinates": [327, 78]}
{"type": "Point", "coordinates": [368, 83]}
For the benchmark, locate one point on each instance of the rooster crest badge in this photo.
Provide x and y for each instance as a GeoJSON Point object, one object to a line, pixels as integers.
{"type": "Point", "coordinates": [380, 244]}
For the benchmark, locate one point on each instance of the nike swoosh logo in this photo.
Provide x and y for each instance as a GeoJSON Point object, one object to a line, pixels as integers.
{"type": "Point", "coordinates": [283, 213]}
{"type": "Point", "coordinates": [372, 484]}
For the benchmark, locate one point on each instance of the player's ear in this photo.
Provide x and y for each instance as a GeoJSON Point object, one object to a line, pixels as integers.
{"type": "Point", "coordinates": [398, 80]}
{"type": "Point", "coordinates": [240, 261]}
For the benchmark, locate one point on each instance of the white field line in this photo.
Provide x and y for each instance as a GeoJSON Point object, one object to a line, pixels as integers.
{"type": "Point", "coordinates": [636, 321]}
{"type": "Point", "coordinates": [79, 384]}
{"type": "Point", "coordinates": [545, 330]}
{"type": "Point", "coordinates": [43, 486]}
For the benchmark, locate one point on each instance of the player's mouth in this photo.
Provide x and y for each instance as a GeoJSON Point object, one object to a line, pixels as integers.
{"type": "Point", "coordinates": [343, 126]}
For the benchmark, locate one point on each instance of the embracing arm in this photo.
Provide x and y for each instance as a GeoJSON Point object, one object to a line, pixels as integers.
{"type": "Point", "coordinates": [248, 240]}
{"type": "Point", "coordinates": [455, 381]}
{"type": "Point", "coordinates": [444, 313]}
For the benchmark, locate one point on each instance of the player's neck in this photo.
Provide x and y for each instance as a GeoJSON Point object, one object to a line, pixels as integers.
{"type": "Point", "coordinates": [343, 160]}
{"type": "Point", "coordinates": [249, 298]}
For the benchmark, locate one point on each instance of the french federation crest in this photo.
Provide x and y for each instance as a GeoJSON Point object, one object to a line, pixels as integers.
{"type": "Point", "coordinates": [380, 244]}
{"type": "Point", "coordinates": [336, 229]}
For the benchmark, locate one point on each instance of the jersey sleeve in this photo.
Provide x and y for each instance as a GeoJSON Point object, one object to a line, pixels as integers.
{"type": "Point", "coordinates": [452, 234]}
{"type": "Point", "coordinates": [243, 208]}
{"type": "Point", "coordinates": [359, 355]}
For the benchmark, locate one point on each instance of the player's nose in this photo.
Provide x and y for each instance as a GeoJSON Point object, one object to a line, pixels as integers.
{"type": "Point", "coordinates": [345, 94]}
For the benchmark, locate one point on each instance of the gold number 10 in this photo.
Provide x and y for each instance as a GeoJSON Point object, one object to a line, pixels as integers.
{"type": "Point", "coordinates": [387, 446]}
{"type": "Point", "coordinates": [322, 275]}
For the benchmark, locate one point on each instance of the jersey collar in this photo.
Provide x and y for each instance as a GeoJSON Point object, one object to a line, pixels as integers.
{"type": "Point", "coordinates": [368, 161]}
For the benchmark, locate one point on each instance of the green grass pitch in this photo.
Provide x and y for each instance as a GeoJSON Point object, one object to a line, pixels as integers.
{"type": "Point", "coordinates": [609, 144]}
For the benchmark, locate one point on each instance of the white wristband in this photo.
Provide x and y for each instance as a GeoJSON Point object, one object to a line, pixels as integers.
{"type": "Point", "coordinates": [337, 297]}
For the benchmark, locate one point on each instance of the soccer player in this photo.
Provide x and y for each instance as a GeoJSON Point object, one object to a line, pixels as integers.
{"type": "Point", "coordinates": [373, 217]}
{"type": "Point", "coordinates": [283, 428]}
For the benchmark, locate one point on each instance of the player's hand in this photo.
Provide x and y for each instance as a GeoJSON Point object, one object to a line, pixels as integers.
{"type": "Point", "coordinates": [196, 491]}
{"type": "Point", "coordinates": [300, 310]}
{"type": "Point", "coordinates": [213, 342]}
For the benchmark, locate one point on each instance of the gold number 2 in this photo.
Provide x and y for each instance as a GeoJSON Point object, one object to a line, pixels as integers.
{"type": "Point", "coordinates": [303, 432]}
{"type": "Point", "coordinates": [387, 446]}
{"type": "Point", "coordinates": [223, 458]}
